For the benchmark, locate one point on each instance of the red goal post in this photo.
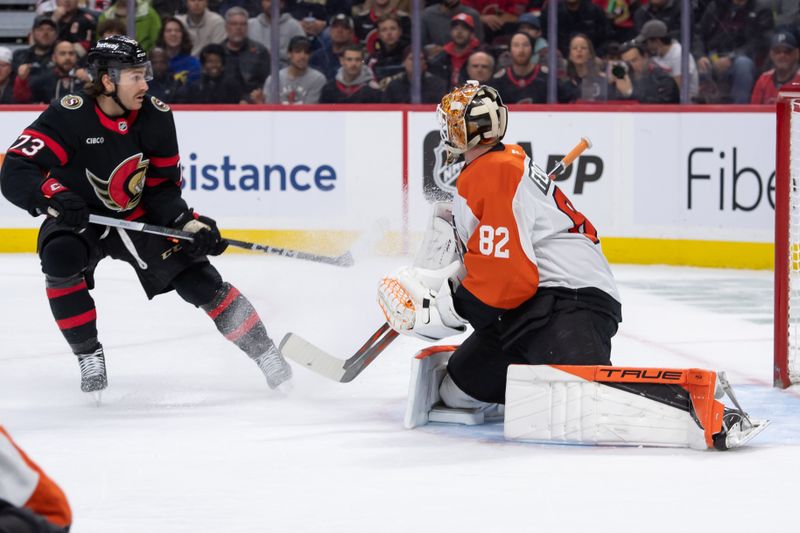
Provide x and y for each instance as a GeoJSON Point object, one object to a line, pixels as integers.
{"type": "Point", "coordinates": [787, 238]}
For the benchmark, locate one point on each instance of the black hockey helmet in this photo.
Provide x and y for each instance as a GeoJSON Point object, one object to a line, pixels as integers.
{"type": "Point", "coordinates": [116, 53]}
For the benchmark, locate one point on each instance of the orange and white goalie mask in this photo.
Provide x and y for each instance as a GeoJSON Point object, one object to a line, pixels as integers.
{"type": "Point", "coordinates": [471, 115]}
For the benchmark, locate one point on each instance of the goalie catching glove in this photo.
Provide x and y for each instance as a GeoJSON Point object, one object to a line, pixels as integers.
{"type": "Point", "coordinates": [419, 302]}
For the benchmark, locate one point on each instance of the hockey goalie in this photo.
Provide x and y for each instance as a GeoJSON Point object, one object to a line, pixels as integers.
{"type": "Point", "coordinates": [512, 258]}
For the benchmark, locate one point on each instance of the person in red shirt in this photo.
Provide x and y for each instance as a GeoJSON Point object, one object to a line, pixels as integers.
{"type": "Point", "coordinates": [452, 60]}
{"type": "Point", "coordinates": [30, 502]}
{"type": "Point", "coordinates": [784, 55]}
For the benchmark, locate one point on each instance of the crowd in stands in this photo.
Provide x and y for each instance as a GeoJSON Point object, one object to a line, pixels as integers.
{"type": "Point", "coordinates": [335, 51]}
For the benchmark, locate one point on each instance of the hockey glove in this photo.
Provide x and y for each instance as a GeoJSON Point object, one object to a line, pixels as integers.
{"type": "Point", "coordinates": [68, 208]}
{"type": "Point", "coordinates": [207, 240]}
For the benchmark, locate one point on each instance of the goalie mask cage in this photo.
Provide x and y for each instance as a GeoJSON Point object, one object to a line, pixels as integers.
{"type": "Point", "coordinates": [787, 238]}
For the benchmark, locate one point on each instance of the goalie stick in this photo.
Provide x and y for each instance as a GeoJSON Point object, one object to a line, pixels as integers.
{"type": "Point", "coordinates": [304, 353]}
{"type": "Point", "coordinates": [317, 360]}
{"type": "Point", "coordinates": [343, 260]}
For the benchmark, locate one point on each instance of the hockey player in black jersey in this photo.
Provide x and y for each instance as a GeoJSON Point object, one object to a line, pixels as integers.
{"type": "Point", "coordinates": [115, 153]}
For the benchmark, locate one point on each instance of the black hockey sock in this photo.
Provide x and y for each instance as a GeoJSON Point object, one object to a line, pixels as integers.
{"type": "Point", "coordinates": [238, 321]}
{"type": "Point", "coordinates": [74, 311]}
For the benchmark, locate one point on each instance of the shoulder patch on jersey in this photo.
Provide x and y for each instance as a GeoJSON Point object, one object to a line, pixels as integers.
{"type": "Point", "coordinates": [71, 101]}
{"type": "Point", "coordinates": [158, 104]}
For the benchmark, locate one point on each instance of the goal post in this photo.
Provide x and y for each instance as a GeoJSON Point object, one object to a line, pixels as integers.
{"type": "Point", "coordinates": [787, 238]}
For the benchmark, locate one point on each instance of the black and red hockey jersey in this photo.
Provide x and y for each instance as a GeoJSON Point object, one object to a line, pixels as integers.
{"type": "Point", "coordinates": [123, 167]}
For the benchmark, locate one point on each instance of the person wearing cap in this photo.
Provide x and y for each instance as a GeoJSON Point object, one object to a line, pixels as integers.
{"type": "Point", "coordinates": [148, 21]}
{"type": "Point", "coordinates": [313, 17]}
{"type": "Point", "coordinates": [666, 53]}
{"type": "Point", "coordinates": [246, 60]}
{"type": "Point", "coordinates": [436, 24]}
{"type": "Point", "coordinates": [260, 28]}
{"type": "Point", "coordinates": [297, 83]}
{"type": "Point", "coordinates": [204, 26]}
{"type": "Point", "coordinates": [387, 58]}
{"type": "Point", "coordinates": [326, 58]}
{"type": "Point", "coordinates": [6, 76]}
{"type": "Point", "coordinates": [731, 35]}
{"type": "Point", "coordinates": [667, 11]}
{"type": "Point", "coordinates": [398, 90]}
{"type": "Point", "coordinates": [579, 16]}
{"type": "Point", "coordinates": [450, 63]}
{"type": "Point", "coordinates": [532, 25]}
{"type": "Point", "coordinates": [784, 56]}
{"type": "Point", "coordinates": [75, 24]}
{"type": "Point", "coordinates": [38, 55]}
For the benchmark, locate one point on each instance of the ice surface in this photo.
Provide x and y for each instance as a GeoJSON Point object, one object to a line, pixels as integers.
{"type": "Point", "coordinates": [190, 439]}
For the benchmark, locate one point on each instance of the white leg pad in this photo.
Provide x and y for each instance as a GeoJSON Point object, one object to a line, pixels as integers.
{"type": "Point", "coordinates": [428, 371]}
{"type": "Point", "coordinates": [544, 404]}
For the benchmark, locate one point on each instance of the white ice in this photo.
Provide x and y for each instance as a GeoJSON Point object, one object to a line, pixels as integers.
{"type": "Point", "coordinates": [190, 439]}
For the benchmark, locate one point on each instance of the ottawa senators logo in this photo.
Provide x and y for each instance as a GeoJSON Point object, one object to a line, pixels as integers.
{"type": "Point", "coordinates": [123, 189]}
{"type": "Point", "coordinates": [158, 104]}
{"type": "Point", "coordinates": [71, 101]}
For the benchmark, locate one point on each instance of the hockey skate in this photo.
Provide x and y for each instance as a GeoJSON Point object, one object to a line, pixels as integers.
{"type": "Point", "coordinates": [93, 372]}
{"type": "Point", "coordinates": [275, 369]}
{"type": "Point", "coordinates": [737, 428]}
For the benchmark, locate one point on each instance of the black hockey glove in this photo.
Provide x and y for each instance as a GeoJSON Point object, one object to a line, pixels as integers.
{"type": "Point", "coordinates": [68, 208]}
{"type": "Point", "coordinates": [207, 240]}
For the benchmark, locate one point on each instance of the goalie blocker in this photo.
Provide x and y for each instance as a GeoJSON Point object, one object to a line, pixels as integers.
{"type": "Point", "coordinates": [594, 405]}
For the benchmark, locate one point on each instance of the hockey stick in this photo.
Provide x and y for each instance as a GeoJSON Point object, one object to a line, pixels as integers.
{"type": "Point", "coordinates": [317, 360]}
{"type": "Point", "coordinates": [343, 260]}
{"type": "Point", "coordinates": [304, 353]}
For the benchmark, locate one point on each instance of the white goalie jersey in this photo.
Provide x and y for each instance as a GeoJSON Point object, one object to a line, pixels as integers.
{"type": "Point", "coordinates": [522, 232]}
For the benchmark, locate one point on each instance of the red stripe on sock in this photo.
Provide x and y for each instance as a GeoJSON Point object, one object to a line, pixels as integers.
{"type": "Point", "coordinates": [232, 294]}
{"type": "Point", "coordinates": [77, 320]}
{"type": "Point", "coordinates": [56, 293]}
{"type": "Point", "coordinates": [246, 326]}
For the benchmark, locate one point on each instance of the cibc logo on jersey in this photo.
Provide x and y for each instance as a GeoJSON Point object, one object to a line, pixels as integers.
{"type": "Point", "coordinates": [123, 188]}
{"type": "Point", "coordinates": [439, 180]}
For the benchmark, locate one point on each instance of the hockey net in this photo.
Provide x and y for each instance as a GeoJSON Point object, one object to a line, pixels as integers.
{"type": "Point", "coordinates": [787, 239]}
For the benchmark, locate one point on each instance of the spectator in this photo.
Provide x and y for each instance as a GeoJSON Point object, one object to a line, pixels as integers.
{"type": "Point", "coordinates": [436, 24]}
{"type": "Point", "coordinates": [522, 82]}
{"type": "Point", "coordinates": [398, 91]}
{"type": "Point", "coordinates": [258, 29]}
{"type": "Point", "coordinates": [451, 61]}
{"type": "Point", "coordinates": [326, 59]}
{"type": "Point", "coordinates": [6, 77]}
{"type": "Point", "coordinates": [667, 11]}
{"type": "Point", "coordinates": [579, 16]}
{"type": "Point", "coordinates": [60, 80]}
{"type": "Point", "coordinates": [75, 24]}
{"type": "Point", "coordinates": [620, 18]}
{"type": "Point", "coordinates": [366, 17]}
{"type": "Point", "coordinates": [787, 13]}
{"type": "Point", "coordinates": [784, 56]}
{"type": "Point", "coordinates": [246, 61]}
{"type": "Point", "coordinates": [204, 26]}
{"type": "Point", "coordinates": [251, 7]}
{"type": "Point", "coordinates": [353, 82]}
{"type": "Point", "coordinates": [312, 17]}
{"type": "Point", "coordinates": [640, 79]}
{"type": "Point", "coordinates": [732, 38]}
{"type": "Point", "coordinates": [163, 86]}
{"type": "Point", "coordinates": [666, 53]}
{"type": "Point", "coordinates": [175, 40]}
{"type": "Point", "coordinates": [497, 17]}
{"type": "Point", "coordinates": [148, 22]}
{"type": "Point", "coordinates": [387, 60]}
{"type": "Point", "coordinates": [584, 81]}
{"type": "Point", "coordinates": [298, 84]}
{"type": "Point", "coordinates": [480, 67]}
{"type": "Point", "coordinates": [213, 87]}
{"type": "Point", "coordinates": [168, 8]}
{"type": "Point", "coordinates": [110, 27]}
{"type": "Point", "coordinates": [530, 24]}
{"type": "Point", "coordinates": [38, 55]}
